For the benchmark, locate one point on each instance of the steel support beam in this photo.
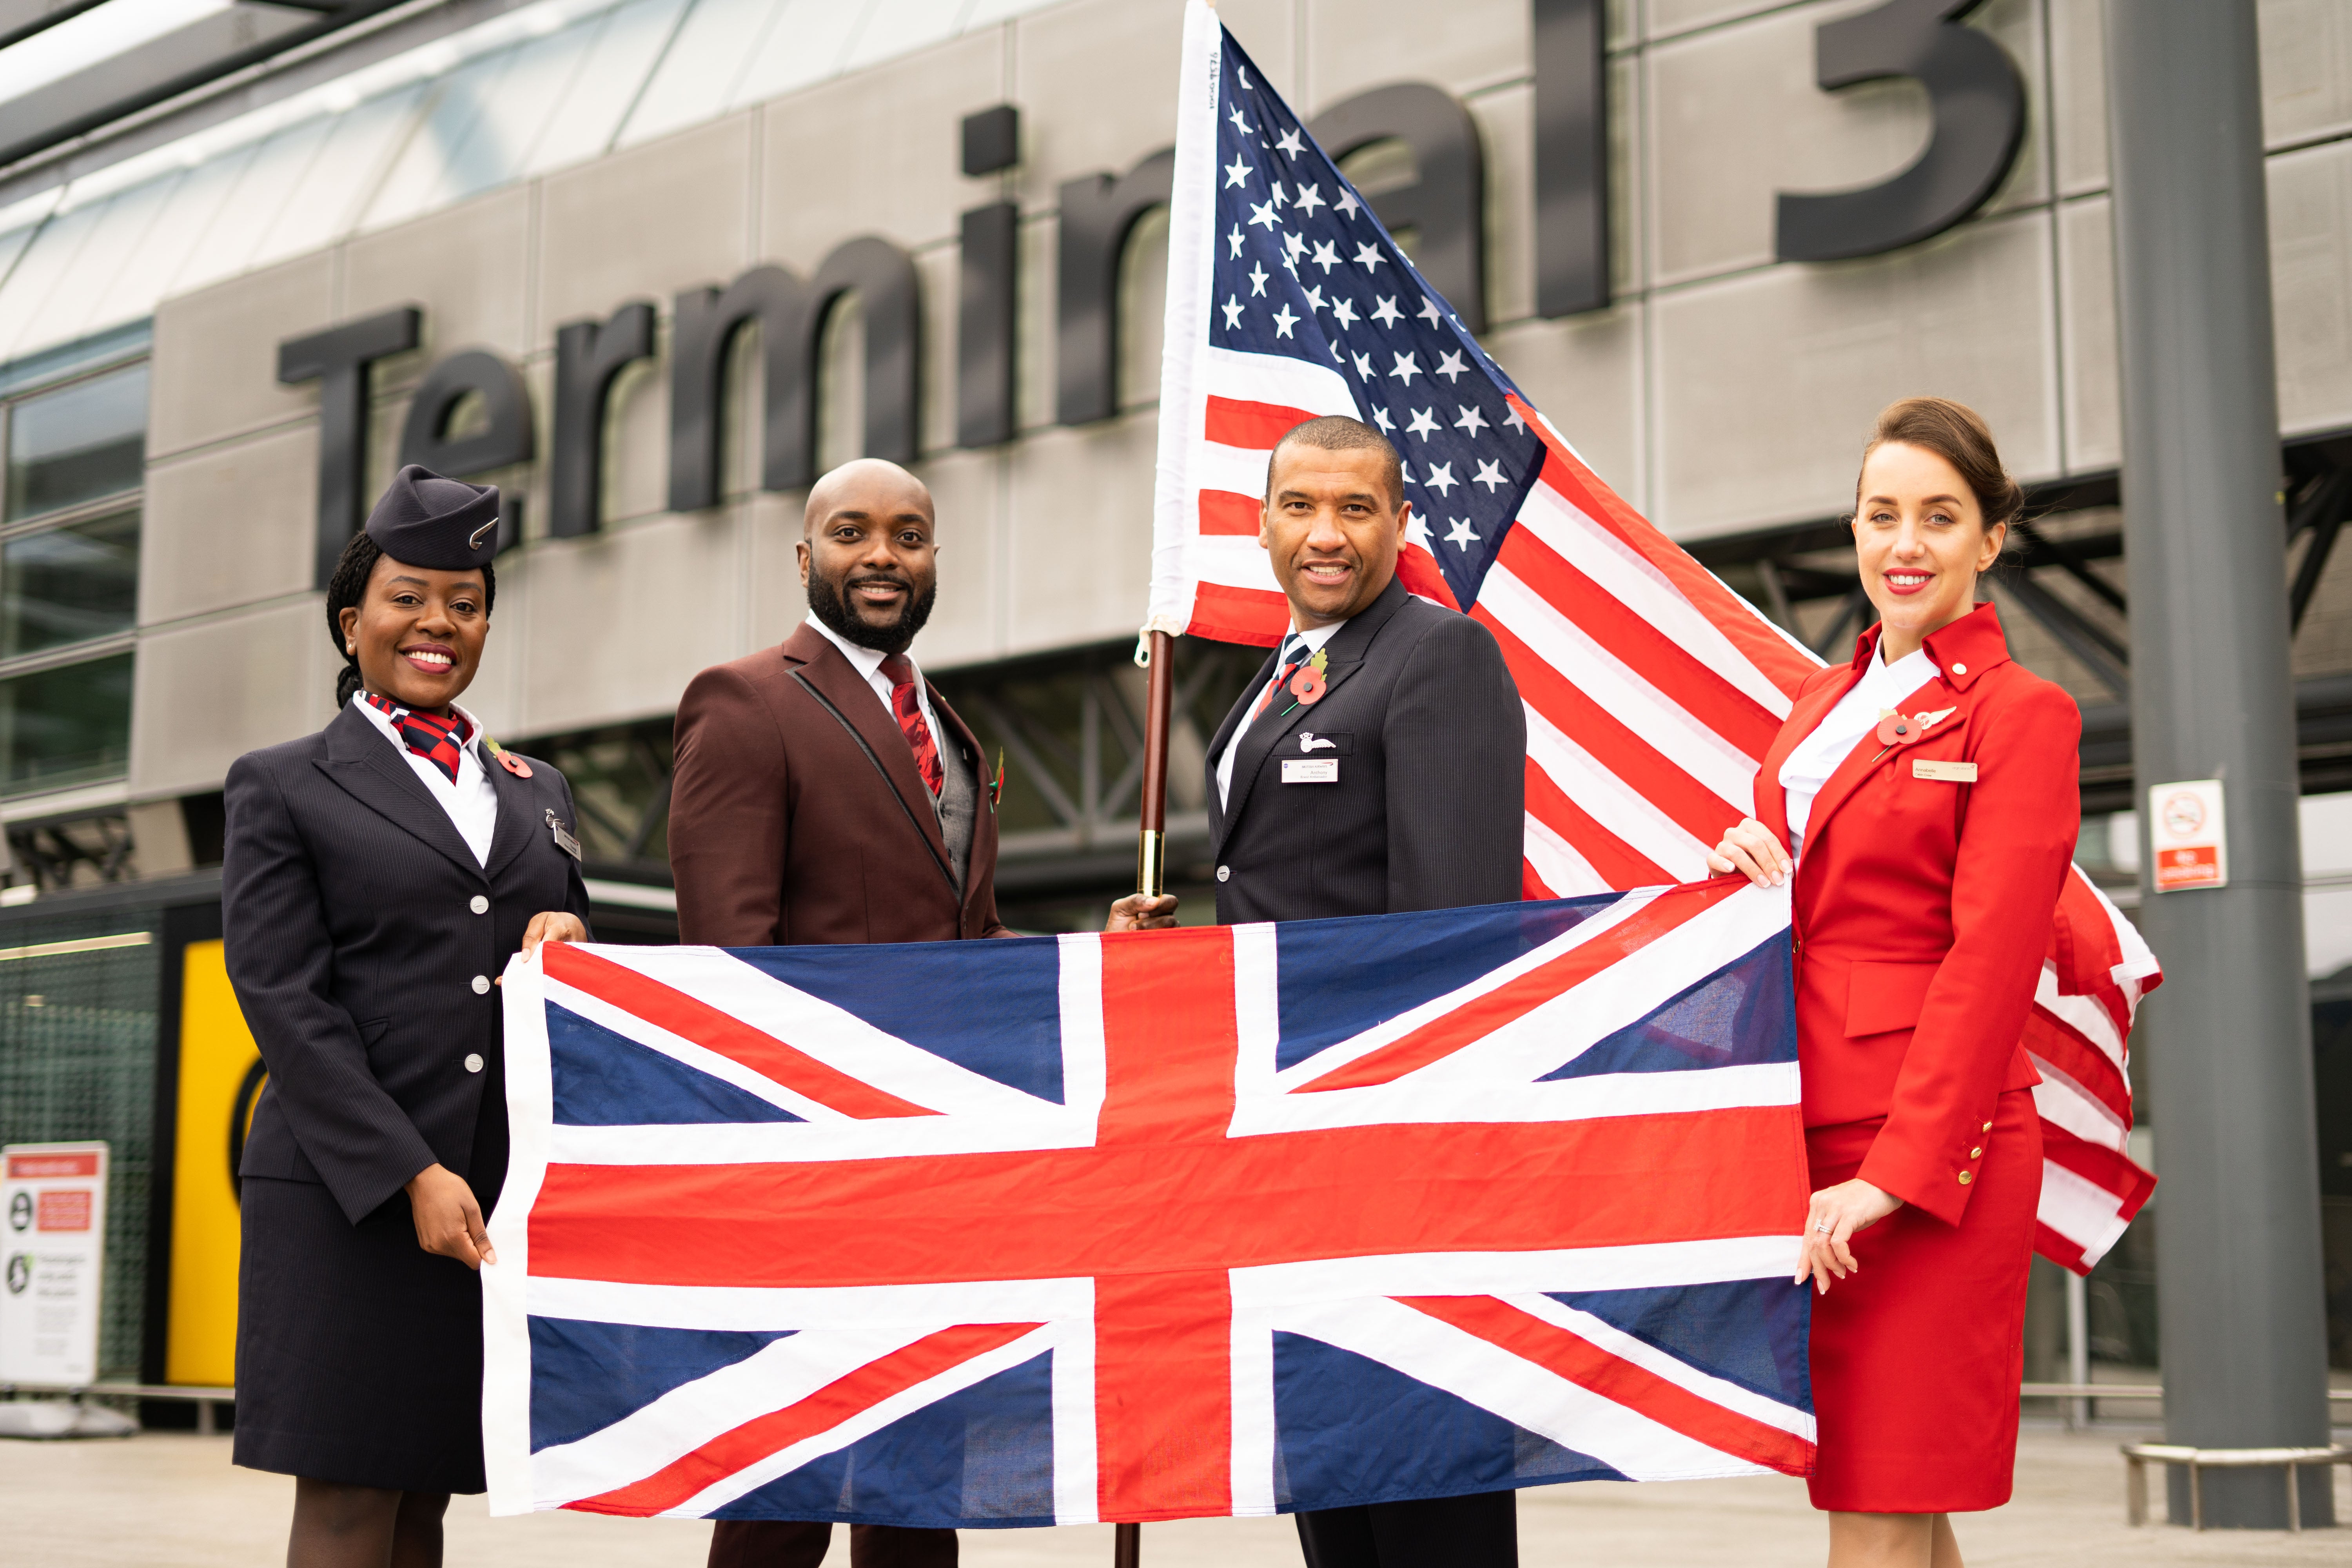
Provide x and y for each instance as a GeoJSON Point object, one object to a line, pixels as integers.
{"type": "Point", "coordinates": [2229, 1037]}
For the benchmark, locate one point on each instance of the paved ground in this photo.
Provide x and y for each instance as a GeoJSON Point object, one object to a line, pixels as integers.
{"type": "Point", "coordinates": [176, 1500]}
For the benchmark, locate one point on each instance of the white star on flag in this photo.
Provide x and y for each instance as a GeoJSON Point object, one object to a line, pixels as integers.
{"type": "Point", "coordinates": [1421, 423]}
{"type": "Point", "coordinates": [1327, 255]}
{"type": "Point", "coordinates": [1309, 198]}
{"type": "Point", "coordinates": [1261, 213]}
{"type": "Point", "coordinates": [1233, 309]}
{"type": "Point", "coordinates": [1430, 312]}
{"type": "Point", "coordinates": [1380, 417]}
{"type": "Point", "coordinates": [1511, 420]}
{"type": "Point", "coordinates": [1289, 142]}
{"type": "Point", "coordinates": [1240, 125]}
{"type": "Point", "coordinates": [1471, 421]}
{"type": "Point", "coordinates": [1237, 171]}
{"type": "Point", "coordinates": [1407, 367]}
{"type": "Point", "coordinates": [1386, 313]}
{"type": "Point", "coordinates": [1441, 479]}
{"type": "Point", "coordinates": [1460, 536]}
{"type": "Point", "coordinates": [1237, 239]}
{"type": "Point", "coordinates": [1347, 204]}
{"type": "Point", "coordinates": [1364, 367]}
{"type": "Point", "coordinates": [1450, 367]}
{"type": "Point", "coordinates": [1368, 257]}
{"type": "Point", "coordinates": [1344, 311]}
{"type": "Point", "coordinates": [1489, 475]}
{"type": "Point", "coordinates": [1315, 298]}
{"type": "Point", "coordinates": [1283, 322]}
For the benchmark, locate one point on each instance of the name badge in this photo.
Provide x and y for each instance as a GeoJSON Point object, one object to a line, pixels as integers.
{"type": "Point", "coordinates": [563, 840]}
{"type": "Point", "coordinates": [1947, 773]}
{"type": "Point", "coordinates": [1310, 769]}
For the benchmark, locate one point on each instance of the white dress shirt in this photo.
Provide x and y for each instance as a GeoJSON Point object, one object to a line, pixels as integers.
{"type": "Point", "coordinates": [868, 662]}
{"type": "Point", "coordinates": [1307, 645]}
{"type": "Point", "coordinates": [471, 801]}
{"type": "Point", "coordinates": [1842, 729]}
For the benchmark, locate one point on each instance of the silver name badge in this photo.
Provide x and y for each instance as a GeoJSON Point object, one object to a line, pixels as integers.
{"type": "Point", "coordinates": [1310, 769]}
{"type": "Point", "coordinates": [563, 840]}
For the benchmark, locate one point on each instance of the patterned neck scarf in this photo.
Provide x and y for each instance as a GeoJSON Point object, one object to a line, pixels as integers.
{"type": "Point", "coordinates": [438, 740]}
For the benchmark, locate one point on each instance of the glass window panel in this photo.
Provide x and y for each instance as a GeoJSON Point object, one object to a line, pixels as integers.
{"type": "Point", "coordinates": [77, 444]}
{"type": "Point", "coordinates": [443, 160]}
{"type": "Point", "coordinates": [706, 57]}
{"type": "Point", "coordinates": [514, 114]}
{"type": "Point", "coordinates": [270, 170]}
{"type": "Point", "coordinates": [65, 726]}
{"type": "Point", "coordinates": [900, 27]}
{"type": "Point", "coordinates": [333, 189]}
{"type": "Point", "coordinates": [805, 45]}
{"type": "Point", "coordinates": [53, 253]}
{"type": "Point", "coordinates": [68, 585]}
{"type": "Point", "coordinates": [626, 42]}
{"type": "Point", "coordinates": [188, 204]}
{"type": "Point", "coordinates": [122, 226]}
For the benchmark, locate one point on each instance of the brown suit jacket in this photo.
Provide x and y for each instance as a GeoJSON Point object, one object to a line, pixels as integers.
{"type": "Point", "coordinates": [783, 832]}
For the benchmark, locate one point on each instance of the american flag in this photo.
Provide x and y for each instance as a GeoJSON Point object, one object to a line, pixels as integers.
{"type": "Point", "coordinates": [1227, 1220]}
{"type": "Point", "coordinates": [1652, 690]}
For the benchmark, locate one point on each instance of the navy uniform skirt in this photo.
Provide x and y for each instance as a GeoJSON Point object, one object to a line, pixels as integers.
{"type": "Point", "coordinates": [359, 1354]}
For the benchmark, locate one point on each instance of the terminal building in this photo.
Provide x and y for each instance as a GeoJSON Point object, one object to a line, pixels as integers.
{"type": "Point", "coordinates": [650, 265]}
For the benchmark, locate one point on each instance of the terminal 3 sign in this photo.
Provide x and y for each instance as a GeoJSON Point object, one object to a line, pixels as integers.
{"type": "Point", "coordinates": [1976, 105]}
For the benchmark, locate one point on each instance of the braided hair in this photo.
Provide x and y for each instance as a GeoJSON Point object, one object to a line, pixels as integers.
{"type": "Point", "coordinates": [348, 588]}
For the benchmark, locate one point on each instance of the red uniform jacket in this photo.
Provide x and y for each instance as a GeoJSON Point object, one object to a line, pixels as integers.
{"type": "Point", "coordinates": [783, 831]}
{"type": "Point", "coordinates": [1924, 906]}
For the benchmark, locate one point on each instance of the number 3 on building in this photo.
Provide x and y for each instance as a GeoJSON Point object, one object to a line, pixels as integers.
{"type": "Point", "coordinates": [1977, 104]}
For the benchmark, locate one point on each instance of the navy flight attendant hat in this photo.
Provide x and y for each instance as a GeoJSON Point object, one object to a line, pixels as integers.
{"type": "Point", "coordinates": [443, 525]}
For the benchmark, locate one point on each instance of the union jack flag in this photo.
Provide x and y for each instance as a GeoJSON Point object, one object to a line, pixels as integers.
{"type": "Point", "coordinates": [1218, 1221]}
{"type": "Point", "coordinates": [1652, 690]}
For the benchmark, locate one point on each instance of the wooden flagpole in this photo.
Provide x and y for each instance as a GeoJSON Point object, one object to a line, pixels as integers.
{"type": "Point", "coordinates": [1156, 651]}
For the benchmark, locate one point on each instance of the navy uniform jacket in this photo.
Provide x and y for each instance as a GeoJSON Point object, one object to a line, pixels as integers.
{"type": "Point", "coordinates": [363, 938]}
{"type": "Point", "coordinates": [1423, 718]}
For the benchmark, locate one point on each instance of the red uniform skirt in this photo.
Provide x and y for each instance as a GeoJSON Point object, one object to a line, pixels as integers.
{"type": "Point", "coordinates": [1917, 1353]}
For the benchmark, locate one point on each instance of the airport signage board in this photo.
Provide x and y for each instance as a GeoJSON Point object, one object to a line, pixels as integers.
{"type": "Point", "coordinates": [52, 1261]}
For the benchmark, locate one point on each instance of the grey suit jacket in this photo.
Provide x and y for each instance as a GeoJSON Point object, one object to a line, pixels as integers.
{"type": "Point", "coordinates": [347, 906]}
{"type": "Point", "coordinates": [1424, 720]}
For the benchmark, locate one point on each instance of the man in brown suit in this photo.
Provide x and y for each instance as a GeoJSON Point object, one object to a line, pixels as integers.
{"type": "Point", "coordinates": [824, 792]}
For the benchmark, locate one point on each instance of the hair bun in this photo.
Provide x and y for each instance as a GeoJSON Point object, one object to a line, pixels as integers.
{"type": "Point", "coordinates": [1957, 434]}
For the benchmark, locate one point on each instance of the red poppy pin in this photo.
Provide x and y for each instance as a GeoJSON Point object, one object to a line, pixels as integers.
{"type": "Point", "coordinates": [1309, 685]}
{"type": "Point", "coordinates": [1901, 730]}
{"type": "Point", "coordinates": [507, 759]}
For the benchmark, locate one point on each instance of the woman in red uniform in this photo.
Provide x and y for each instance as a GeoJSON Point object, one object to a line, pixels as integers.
{"type": "Point", "coordinates": [1924, 796]}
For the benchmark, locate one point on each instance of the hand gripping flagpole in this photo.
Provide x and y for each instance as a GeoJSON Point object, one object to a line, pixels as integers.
{"type": "Point", "coordinates": [1156, 652]}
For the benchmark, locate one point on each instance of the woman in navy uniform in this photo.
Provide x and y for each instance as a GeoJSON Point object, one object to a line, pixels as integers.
{"type": "Point", "coordinates": [378, 875]}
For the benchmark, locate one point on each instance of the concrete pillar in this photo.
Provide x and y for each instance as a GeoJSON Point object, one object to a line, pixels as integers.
{"type": "Point", "coordinates": [2229, 1045]}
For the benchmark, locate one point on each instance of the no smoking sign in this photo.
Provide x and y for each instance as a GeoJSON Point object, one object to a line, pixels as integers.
{"type": "Point", "coordinates": [2186, 835]}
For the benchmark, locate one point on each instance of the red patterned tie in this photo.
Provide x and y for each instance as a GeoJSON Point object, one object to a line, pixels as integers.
{"type": "Point", "coordinates": [904, 703]}
{"type": "Point", "coordinates": [1290, 656]}
{"type": "Point", "coordinates": [430, 736]}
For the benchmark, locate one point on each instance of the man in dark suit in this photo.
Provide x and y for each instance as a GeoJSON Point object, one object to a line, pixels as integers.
{"type": "Point", "coordinates": [824, 792]}
{"type": "Point", "coordinates": [1377, 763]}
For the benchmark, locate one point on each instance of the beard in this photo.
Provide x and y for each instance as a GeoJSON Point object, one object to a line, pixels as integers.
{"type": "Point", "coordinates": [828, 601]}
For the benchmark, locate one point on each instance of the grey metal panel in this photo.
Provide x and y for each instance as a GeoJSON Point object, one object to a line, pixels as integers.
{"type": "Point", "coordinates": [141, 76]}
{"type": "Point", "coordinates": [2240, 1303]}
{"type": "Point", "coordinates": [20, 19]}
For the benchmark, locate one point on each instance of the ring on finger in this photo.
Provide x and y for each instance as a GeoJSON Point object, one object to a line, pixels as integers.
{"type": "Point", "coordinates": [1823, 1226]}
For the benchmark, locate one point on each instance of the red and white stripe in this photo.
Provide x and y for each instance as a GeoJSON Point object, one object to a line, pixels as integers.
{"type": "Point", "coordinates": [1653, 692]}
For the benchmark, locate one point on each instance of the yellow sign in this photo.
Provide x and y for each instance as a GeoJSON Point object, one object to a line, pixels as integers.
{"type": "Point", "coordinates": [220, 1078]}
